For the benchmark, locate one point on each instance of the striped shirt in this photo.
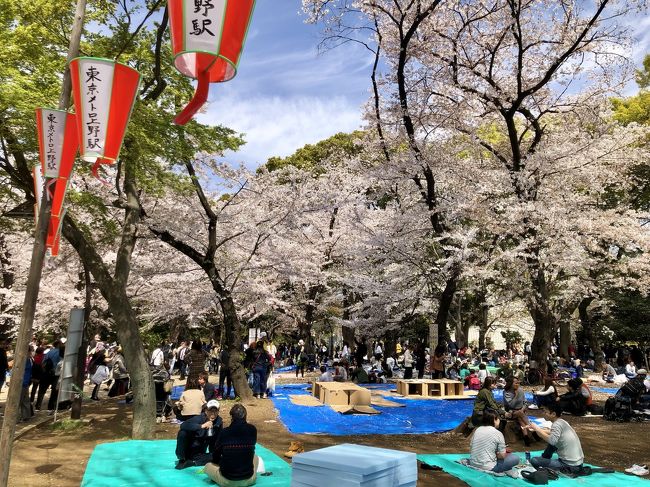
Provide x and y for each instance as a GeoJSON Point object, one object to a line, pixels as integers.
{"type": "Point", "coordinates": [486, 442]}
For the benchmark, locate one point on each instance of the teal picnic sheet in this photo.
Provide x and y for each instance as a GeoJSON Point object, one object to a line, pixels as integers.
{"type": "Point", "coordinates": [151, 463]}
{"type": "Point", "coordinates": [476, 478]}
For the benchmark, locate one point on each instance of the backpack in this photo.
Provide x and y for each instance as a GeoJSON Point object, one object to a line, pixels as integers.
{"type": "Point", "coordinates": [474, 383]}
{"type": "Point", "coordinates": [302, 358]}
{"type": "Point", "coordinates": [618, 408]}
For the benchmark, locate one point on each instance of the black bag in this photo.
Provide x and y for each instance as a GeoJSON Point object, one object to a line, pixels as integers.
{"type": "Point", "coordinates": [48, 367]}
{"type": "Point", "coordinates": [618, 408]}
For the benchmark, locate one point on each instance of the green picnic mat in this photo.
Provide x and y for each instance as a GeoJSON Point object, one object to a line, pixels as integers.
{"type": "Point", "coordinates": [476, 478]}
{"type": "Point", "coordinates": [151, 464]}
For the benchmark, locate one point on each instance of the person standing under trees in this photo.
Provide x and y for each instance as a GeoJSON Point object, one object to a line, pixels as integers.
{"type": "Point", "coordinates": [224, 374]}
{"type": "Point", "coordinates": [438, 362]}
{"type": "Point", "coordinates": [420, 359]}
{"type": "Point", "coordinates": [183, 350]}
{"type": "Point", "coordinates": [120, 374]}
{"type": "Point", "coordinates": [260, 368]}
{"type": "Point", "coordinates": [195, 361]}
{"type": "Point", "coordinates": [408, 362]}
{"type": "Point", "coordinates": [4, 363]}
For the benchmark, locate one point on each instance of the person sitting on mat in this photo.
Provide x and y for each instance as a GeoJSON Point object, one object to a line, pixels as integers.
{"type": "Point", "coordinates": [576, 401]}
{"type": "Point", "coordinates": [563, 439]}
{"type": "Point", "coordinates": [547, 396]}
{"type": "Point", "coordinates": [325, 375]}
{"type": "Point", "coordinates": [514, 403]}
{"type": "Point", "coordinates": [488, 447]}
{"type": "Point", "coordinates": [198, 434]}
{"type": "Point", "coordinates": [485, 402]}
{"type": "Point", "coordinates": [191, 402]}
{"type": "Point", "coordinates": [234, 463]}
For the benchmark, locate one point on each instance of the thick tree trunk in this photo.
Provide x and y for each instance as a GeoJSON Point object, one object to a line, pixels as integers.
{"type": "Point", "coordinates": [348, 335]}
{"type": "Point", "coordinates": [588, 328]}
{"type": "Point", "coordinates": [446, 300]}
{"type": "Point", "coordinates": [128, 333]}
{"type": "Point", "coordinates": [483, 323]}
{"type": "Point", "coordinates": [565, 338]}
{"type": "Point", "coordinates": [233, 332]}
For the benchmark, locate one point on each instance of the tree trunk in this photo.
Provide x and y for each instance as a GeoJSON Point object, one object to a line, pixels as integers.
{"type": "Point", "coordinates": [483, 323]}
{"type": "Point", "coordinates": [75, 413]}
{"type": "Point", "coordinates": [588, 328]}
{"type": "Point", "coordinates": [446, 299]}
{"type": "Point", "coordinates": [233, 330]}
{"type": "Point", "coordinates": [565, 338]}
{"type": "Point", "coordinates": [127, 327]}
{"type": "Point", "coordinates": [348, 335]}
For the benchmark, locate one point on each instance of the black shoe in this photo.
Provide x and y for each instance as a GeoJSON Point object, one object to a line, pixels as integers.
{"type": "Point", "coordinates": [184, 464]}
{"type": "Point", "coordinates": [95, 398]}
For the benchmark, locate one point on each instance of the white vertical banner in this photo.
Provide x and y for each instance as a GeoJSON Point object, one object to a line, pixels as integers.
{"type": "Point", "coordinates": [53, 123]}
{"type": "Point", "coordinates": [96, 76]}
{"type": "Point", "coordinates": [72, 344]}
{"type": "Point", "coordinates": [203, 25]}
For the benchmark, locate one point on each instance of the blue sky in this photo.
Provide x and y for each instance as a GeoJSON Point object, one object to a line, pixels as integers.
{"type": "Point", "coordinates": [286, 94]}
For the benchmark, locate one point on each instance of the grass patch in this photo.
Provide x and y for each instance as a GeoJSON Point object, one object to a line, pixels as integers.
{"type": "Point", "coordinates": [68, 425]}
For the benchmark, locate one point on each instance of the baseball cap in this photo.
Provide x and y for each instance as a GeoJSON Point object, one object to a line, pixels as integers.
{"type": "Point", "coordinates": [642, 372]}
{"type": "Point", "coordinates": [212, 404]}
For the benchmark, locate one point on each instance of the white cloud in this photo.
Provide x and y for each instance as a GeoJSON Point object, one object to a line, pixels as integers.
{"type": "Point", "coordinates": [277, 126]}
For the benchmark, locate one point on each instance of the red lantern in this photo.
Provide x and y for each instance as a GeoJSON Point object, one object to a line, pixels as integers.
{"type": "Point", "coordinates": [207, 39]}
{"type": "Point", "coordinates": [104, 95]}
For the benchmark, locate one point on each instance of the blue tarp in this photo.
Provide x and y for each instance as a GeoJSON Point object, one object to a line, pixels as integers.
{"type": "Point", "coordinates": [288, 368]}
{"type": "Point", "coordinates": [606, 390]}
{"type": "Point", "coordinates": [417, 417]}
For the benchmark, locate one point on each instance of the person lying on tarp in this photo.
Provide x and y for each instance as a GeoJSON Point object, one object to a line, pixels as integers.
{"type": "Point", "coordinates": [563, 440]}
{"type": "Point", "coordinates": [234, 463]}
{"type": "Point", "coordinates": [198, 434]}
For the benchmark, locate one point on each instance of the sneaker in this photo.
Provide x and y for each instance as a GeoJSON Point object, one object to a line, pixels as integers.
{"type": "Point", "coordinates": [641, 472]}
{"type": "Point", "coordinates": [635, 467]}
{"type": "Point", "coordinates": [264, 396]}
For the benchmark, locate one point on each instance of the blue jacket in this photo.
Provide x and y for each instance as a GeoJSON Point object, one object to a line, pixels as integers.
{"type": "Point", "coordinates": [27, 378]}
{"type": "Point", "coordinates": [201, 440]}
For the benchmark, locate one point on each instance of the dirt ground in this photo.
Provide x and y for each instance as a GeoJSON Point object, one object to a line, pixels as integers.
{"type": "Point", "coordinates": [43, 456]}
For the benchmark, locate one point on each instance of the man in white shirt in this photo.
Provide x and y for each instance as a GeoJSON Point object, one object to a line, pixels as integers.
{"type": "Point", "coordinates": [562, 439]}
{"type": "Point", "coordinates": [630, 370]}
{"type": "Point", "coordinates": [325, 375]}
{"type": "Point", "coordinates": [158, 356]}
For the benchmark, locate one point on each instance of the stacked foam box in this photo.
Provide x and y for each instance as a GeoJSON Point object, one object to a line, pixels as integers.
{"type": "Point", "coordinates": [350, 465]}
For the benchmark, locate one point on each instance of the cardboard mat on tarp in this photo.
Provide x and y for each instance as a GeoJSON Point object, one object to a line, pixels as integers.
{"type": "Point", "coordinates": [353, 409]}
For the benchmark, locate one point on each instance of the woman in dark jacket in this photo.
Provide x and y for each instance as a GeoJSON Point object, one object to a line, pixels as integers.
{"type": "Point", "coordinates": [485, 401]}
{"type": "Point", "coordinates": [195, 360]}
{"type": "Point", "coordinates": [259, 367]}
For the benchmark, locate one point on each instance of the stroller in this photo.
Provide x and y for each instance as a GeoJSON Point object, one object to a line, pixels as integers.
{"type": "Point", "coordinates": [163, 386]}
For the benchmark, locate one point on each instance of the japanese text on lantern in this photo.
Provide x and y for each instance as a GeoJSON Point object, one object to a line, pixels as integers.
{"type": "Point", "coordinates": [200, 25]}
{"type": "Point", "coordinates": [92, 117]}
{"type": "Point", "coordinates": [50, 151]}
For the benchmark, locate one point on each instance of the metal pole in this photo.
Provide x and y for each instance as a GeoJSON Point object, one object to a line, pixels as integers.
{"type": "Point", "coordinates": [34, 279]}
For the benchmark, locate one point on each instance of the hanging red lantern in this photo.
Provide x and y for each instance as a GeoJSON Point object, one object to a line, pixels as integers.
{"type": "Point", "coordinates": [104, 94]}
{"type": "Point", "coordinates": [58, 143]}
{"type": "Point", "coordinates": [207, 39]}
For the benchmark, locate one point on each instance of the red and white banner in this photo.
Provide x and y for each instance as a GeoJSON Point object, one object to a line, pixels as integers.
{"type": "Point", "coordinates": [58, 141]}
{"type": "Point", "coordinates": [207, 40]}
{"type": "Point", "coordinates": [104, 94]}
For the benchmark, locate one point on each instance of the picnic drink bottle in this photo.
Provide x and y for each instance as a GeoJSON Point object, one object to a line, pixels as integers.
{"type": "Point", "coordinates": [527, 458]}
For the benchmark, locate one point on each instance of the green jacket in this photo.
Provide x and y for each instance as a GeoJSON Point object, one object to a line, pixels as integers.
{"type": "Point", "coordinates": [485, 399]}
